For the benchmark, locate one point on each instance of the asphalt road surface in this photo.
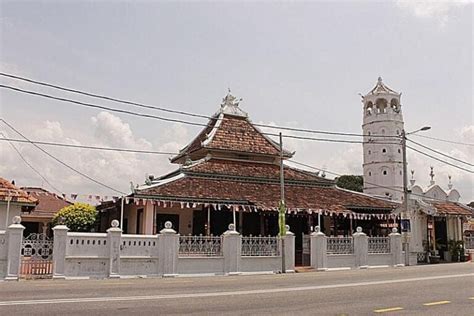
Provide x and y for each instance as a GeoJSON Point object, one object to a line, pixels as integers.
{"type": "Point", "coordinates": [444, 289]}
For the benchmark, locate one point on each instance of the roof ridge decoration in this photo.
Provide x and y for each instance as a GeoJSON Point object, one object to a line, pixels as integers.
{"type": "Point", "coordinates": [381, 88]}
{"type": "Point", "coordinates": [230, 106]}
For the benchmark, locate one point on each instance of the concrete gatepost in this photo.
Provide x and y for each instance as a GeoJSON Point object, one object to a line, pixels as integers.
{"type": "Point", "coordinates": [289, 250]}
{"type": "Point", "coordinates": [59, 251]}
{"type": "Point", "coordinates": [396, 248]}
{"type": "Point", "coordinates": [231, 249]}
{"type": "Point", "coordinates": [114, 238]}
{"type": "Point", "coordinates": [168, 246]}
{"type": "Point", "coordinates": [318, 248]}
{"type": "Point", "coordinates": [361, 248]}
{"type": "Point", "coordinates": [14, 241]}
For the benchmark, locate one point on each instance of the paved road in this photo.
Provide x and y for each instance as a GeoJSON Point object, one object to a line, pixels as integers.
{"type": "Point", "coordinates": [423, 290]}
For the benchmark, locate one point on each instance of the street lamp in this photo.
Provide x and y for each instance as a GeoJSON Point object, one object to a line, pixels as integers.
{"type": "Point", "coordinates": [405, 190]}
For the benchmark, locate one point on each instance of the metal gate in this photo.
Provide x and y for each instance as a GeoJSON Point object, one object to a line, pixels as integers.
{"type": "Point", "coordinates": [36, 257]}
{"type": "Point", "coordinates": [306, 261]}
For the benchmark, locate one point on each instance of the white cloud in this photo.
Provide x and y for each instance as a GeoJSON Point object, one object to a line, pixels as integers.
{"type": "Point", "coordinates": [440, 10]}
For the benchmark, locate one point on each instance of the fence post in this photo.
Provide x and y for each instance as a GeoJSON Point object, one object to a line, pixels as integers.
{"type": "Point", "coordinates": [289, 250]}
{"type": "Point", "coordinates": [396, 248]}
{"type": "Point", "coordinates": [318, 245]}
{"type": "Point", "coordinates": [59, 251]}
{"type": "Point", "coordinates": [168, 246]}
{"type": "Point", "coordinates": [114, 238]}
{"type": "Point", "coordinates": [231, 249]}
{"type": "Point", "coordinates": [14, 243]}
{"type": "Point", "coordinates": [361, 248]}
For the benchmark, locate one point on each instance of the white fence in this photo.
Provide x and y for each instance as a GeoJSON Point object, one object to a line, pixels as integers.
{"type": "Point", "coordinates": [200, 246]}
{"type": "Point", "coordinates": [260, 246]}
{"type": "Point", "coordinates": [357, 251]}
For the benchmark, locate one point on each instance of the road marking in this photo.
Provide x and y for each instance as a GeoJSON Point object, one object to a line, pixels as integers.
{"type": "Point", "coordinates": [471, 298]}
{"type": "Point", "coordinates": [228, 293]}
{"type": "Point", "coordinates": [386, 310]}
{"type": "Point", "coordinates": [437, 303]}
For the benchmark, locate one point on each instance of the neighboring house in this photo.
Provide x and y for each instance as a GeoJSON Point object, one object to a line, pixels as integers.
{"type": "Point", "coordinates": [13, 201]}
{"type": "Point", "coordinates": [437, 216]}
{"type": "Point", "coordinates": [38, 220]}
{"type": "Point", "coordinates": [230, 173]}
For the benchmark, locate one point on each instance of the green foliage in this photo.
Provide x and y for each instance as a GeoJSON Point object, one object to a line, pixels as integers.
{"type": "Point", "coordinates": [79, 217]}
{"type": "Point", "coordinates": [351, 182]}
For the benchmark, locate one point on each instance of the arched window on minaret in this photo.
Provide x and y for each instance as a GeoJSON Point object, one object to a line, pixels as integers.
{"type": "Point", "coordinates": [369, 108]}
{"type": "Point", "coordinates": [381, 105]}
{"type": "Point", "coordinates": [394, 105]}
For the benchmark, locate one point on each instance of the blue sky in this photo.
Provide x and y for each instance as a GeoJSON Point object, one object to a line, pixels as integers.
{"type": "Point", "coordinates": [293, 63]}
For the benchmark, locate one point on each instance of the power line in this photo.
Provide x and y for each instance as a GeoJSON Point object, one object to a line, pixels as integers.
{"type": "Point", "coordinates": [61, 162]}
{"type": "Point", "coordinates": [440, 153]}
{"type": "Point", "coordinates": [89, 147]}
{"type": "Point", "coordinates": [373, 184]}
{"type": "Point", "coordinates": [444, 140]}
{"type": "Point", "coordinates": [28, 164]}
{"type": "Point", "coordinates": [96, 106]}
{"type": "Point", "coordinates": [330, 140]}
{"type": "Point", "coordinates": [171, 110]}
{"type": "Point", "coordinates": [440, 160]}
{"type": "Point", "coordinates": [89, 94]}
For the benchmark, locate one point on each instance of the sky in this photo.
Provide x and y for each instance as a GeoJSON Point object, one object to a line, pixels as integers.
{"type": "Point", "coordinates": [300, 64]}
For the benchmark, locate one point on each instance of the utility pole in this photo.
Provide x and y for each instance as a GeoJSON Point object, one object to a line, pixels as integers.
{"type": "Point", "coordinates": [405, 198]}
{"type": "Point", "coordinates": [282, 208]}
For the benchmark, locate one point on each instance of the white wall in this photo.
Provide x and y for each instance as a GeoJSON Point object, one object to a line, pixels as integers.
{"type": "Point", "coordinates": [15, 210]}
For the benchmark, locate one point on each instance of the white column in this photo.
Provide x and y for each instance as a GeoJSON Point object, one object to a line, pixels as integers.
{"type": "Point", "coordinates": [168, 246]}
{"type": "Point", "coordinates": [14, 240]}
{"type": "Point", "coordinates": [59, 251]}
{"type": "Point", "coordinates": [114, 239]}
{"type": "Point", "coordinates": [361, 248]}
{"type": "Point", "coordinates": [289, 250]}
{"type": "Point", "coordinates": [396, 248]}
{"type": "Point", "coordinates": [148, 218]}
{"type": "Point", "coordinates": [318, 246]}
{"type": "Point", "coordinates": [231, 249]}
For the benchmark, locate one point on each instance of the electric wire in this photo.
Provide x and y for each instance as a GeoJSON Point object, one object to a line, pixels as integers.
{"type": "Point", "coordinates": [441, 153]}
{"type": "Point", "coordinates": [445, 140]}
{"type": "Point", "coordinates": [89, 94]}
{"type": "Point", "coordinates": [28, 164]}
{"type": "Point", "coordinates": [60, 161]}
{"type": "Point", "coordinates": [440, 160]}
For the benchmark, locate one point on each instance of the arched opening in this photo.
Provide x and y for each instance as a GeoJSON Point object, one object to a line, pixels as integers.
{"type": "Point", "coordinates": [394, 105]}
{"type": "Point", "coordinates": [384, 151]}
{"type": "Point", "coordinates": [369, 108]}
{"type": "Point", "coordinates": [381, 106]}
{"type": "Point", "coordinates": [384, 172]}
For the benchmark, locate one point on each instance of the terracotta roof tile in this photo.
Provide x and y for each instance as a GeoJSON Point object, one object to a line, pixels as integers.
{"type": "Point", "coordinates": [17, 195]}
{"type": "Point", "coordinates": [264, 195]}
{"type": "Point", "coordinates": [452, 208]}
{"type": "Point", "coordinates": [254, 169]}
{"type": "Point", "coordinates": [48, 203]}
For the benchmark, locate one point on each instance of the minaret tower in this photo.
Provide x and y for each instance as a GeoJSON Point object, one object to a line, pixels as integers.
{"type": "Point", "coordinates": [382, 127]}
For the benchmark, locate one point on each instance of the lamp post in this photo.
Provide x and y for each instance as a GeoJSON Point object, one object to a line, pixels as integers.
{"type": "Point", "coordinates": [405, 216]}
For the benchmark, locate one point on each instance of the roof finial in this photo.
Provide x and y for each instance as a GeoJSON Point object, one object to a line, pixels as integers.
{"type": "Point", "coordinates": [412, 181]}
{"type": "Point", "coordinates": [432, 176]}
{"type": "Point", "coordinates": [450, 184]}
{"type": "Point", "coordinates": [379, 79]}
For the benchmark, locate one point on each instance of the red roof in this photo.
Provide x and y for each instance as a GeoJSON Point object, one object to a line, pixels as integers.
{"type": "Point", "coordinates": [452, 208]}
{"type": "Point", "coordinates": [48, 203]}
{"type": "Point", "coordinates": [234, 182]}
{"type": "Point", "coordinates": [231, 134]}
{"type": "Point", "coordinates": [7, 189]}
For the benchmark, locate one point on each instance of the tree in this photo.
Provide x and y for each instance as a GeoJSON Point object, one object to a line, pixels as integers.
{"type": "Point", "coordinates": [351, 182]}
{"type": "Point", "coordinates": [79, 217]}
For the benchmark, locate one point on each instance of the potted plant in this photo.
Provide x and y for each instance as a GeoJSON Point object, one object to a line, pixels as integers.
{"type": "Point", "coordinates": [455, 247]}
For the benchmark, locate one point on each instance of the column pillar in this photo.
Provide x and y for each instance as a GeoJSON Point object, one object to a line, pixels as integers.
{"type": "Point", "coordinates": [318, 246]}
{"type": "Point", "coordinates": [168, 246]}
{"type": "Point", "coordinates": [231, 249]}
{"type": "Point", "coordinates": [114, 239]}
{"type": "Point", "coordinates": [289, 250]}
{"type": "Point", "coordinates": [148, 218]}
{"type": "Point", "coordinates": [59, 251]}
{"type": "Point", "coordinates": [14, 243]}
{"type": "Point", "coordinates": [361, 248]}
{"type": "Point", "coordinates": [396, 248]}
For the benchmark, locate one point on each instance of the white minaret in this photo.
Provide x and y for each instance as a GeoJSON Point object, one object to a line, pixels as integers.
{"type": "Point", "coordinates": [382, 123]}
